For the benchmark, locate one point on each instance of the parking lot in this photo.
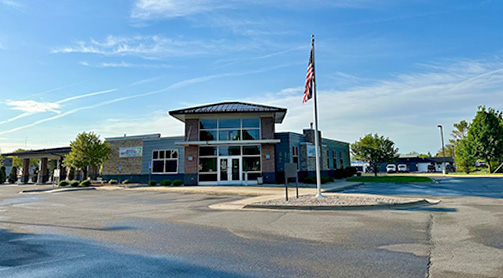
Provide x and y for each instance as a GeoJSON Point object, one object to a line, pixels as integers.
{"type": "Point", "coordinates": [130, 233]}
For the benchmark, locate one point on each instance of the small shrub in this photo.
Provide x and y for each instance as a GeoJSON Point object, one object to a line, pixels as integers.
{"type": "Point", "coordinates": [152, 183]}
{"type": "Point", "coordinates": [3, 175]}
{"type": "Point", "coordinates": [74, 183]}
{"type": "Point", "coordinates": [312, 180]}
{"type": "Point", "coordinates": [165, 182]}
{"type": "Point", "coordinates": [177, 182]}
{"type": "Point", "coordinates": [63, 183]}
{"type": "Point", "coordinates": [325, 179]}
{"type": "Point", "coordinates": [85, 183]}
{"type": "Point", "coordinates": [126, 181]}
{"type": "Point", "coordinates": [112, 181]}
{"type": "Point", "coordinates": [13, 175]}
{"type": "Point", "coordinates": [309, 180]}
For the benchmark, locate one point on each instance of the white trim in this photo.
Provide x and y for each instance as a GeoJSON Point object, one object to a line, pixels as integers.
{"type": "Point", "coordinates": [236, 142]}
{"type": "Point", "coordinates": [229, 169]}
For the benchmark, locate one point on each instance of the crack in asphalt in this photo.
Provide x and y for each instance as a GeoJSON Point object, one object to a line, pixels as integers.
{"type": "Point", "coordinates": [432, 245]}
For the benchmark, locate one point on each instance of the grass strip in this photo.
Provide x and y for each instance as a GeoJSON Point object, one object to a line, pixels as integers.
{"type": "Point", "coordinates": [391, 179]}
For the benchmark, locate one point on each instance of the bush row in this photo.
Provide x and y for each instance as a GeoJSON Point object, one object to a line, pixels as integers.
{"type": "Point", "coordinates": [166, 183]}
{"type": "Point", "coordinates": [84, 183]}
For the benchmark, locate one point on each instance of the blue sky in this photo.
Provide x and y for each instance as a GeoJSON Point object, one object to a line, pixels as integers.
{"type": "Point", "coordinates": [397, 68]}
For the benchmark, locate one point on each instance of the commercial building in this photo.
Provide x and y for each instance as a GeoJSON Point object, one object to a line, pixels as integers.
{"type": "Point", "coordinates": [223, 143]}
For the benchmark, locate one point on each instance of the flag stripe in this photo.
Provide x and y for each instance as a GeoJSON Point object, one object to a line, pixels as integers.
{"type": "Point", "coordinates": [308, 86]}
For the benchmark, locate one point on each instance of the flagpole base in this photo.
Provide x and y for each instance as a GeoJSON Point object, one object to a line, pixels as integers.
{"type": "Point", "coordinates": [319, 195]}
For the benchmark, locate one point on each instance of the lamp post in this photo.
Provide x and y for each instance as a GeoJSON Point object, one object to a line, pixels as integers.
{"type": "Point", "coordinates": [443, 148]}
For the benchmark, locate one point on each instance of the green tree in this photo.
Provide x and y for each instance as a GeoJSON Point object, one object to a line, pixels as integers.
{"type": "Point", "coordinates": [463, 151]}
{"type": "Point", "coordinates": [87, 150]}
{"type": "Point", "coordinates": [485, 135]}
{"type": "Point", "coordinates": [375, 150]}
{"type": "Point", "coordinates": [464, 158]}
{"type": "Point", "coordinates": [449, 150]}
{"type": "Point", "coordinates": [460, 131]}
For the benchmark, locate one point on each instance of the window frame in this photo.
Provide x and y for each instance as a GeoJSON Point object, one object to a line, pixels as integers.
{"type": "Point", "coordinates": [218, 130]}
{"type": "Point", "coordinates": [164, 159]}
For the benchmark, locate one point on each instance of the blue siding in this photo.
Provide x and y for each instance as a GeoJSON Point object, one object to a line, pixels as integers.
{"type": "Point", "coordinates": [164, 143]}
{"type": "Point", "coordinates": [333, 145]}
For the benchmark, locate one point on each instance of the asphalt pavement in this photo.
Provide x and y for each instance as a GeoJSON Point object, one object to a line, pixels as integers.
{"type": "Point", "coordinates": [126, 233]}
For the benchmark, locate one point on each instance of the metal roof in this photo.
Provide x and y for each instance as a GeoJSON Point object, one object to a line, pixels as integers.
{"type": "Point", "coordinates": [53, 151]}
{"type": "Point", "coordinates": [230, 107]}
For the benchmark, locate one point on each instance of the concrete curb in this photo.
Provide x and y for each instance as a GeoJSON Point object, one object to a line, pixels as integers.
{"type": "Point", "coordinates": [56, 190]}
{"type": "Point", "coordinates": [359, 207]}
{"type": "Point", "coordinates": [340, 188]}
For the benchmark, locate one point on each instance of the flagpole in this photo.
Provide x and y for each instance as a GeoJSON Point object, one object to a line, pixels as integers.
{"type": "Point", "coordinates": [316, 133]}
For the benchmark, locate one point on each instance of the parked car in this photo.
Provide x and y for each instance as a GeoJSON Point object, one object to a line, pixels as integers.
{"type": "Point", "coordinates": [431, 169]}
{"type": "Point", "coordinates": [450, 168]}
{"type": "Point", "coordinates": [402, 168]}
{"type": "Point", "coordinates": [391, 168]}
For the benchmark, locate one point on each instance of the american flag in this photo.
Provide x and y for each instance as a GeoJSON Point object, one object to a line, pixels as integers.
{"type": "Point", "coordinates": [308, 91]}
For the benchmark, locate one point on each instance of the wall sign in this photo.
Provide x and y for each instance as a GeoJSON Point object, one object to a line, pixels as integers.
{"type": "Point", "coordinates": [131, 152]}
{"type": "Point", "coordinates": [311, 151]}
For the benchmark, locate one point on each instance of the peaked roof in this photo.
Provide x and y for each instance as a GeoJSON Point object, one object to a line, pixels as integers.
{"type": "Point", "coordinates": [230, 107]}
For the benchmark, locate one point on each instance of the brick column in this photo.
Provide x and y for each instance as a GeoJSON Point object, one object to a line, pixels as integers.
{"type": "Point", "coordinates": [43, 174]}
{"type": "Point", "coordinates": [268, 163]}
{"type": "Point", "coordinates": [26, 171]}
{"type": "Point", "coordinates": [191, 165]}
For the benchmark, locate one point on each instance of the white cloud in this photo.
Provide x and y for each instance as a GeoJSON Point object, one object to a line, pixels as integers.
{"type": "Point", "coordinates": [176, 85]}
{"type": "Point", "coordinates": [166, 9]}
{"type": "Point", "coordinates": [151, 47]}
{"type": "Point", "coordinates": [406, 108]}
{"type": "Point", "coordinates": [149, 9]}
{"type": "Point", "coordinates": [123, 64]}
{"type": "Point", "coordinates": [12, 4]}
{"type": "Point", "coordinates": [31, 106]}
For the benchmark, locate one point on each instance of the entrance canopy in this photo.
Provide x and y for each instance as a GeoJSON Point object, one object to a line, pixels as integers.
{"type": "Point", "coordinates": [54, 153]}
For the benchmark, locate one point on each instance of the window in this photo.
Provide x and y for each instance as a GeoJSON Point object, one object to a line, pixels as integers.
{"type": "Point", "coordinates": [208, 164]}
{"type": "Point", "coordinates": [251, 162]}
{"type": "Point", "coordinates": [328, 159]}
{"type": "Point", "coordinates": [334, 159]}
{"type": "Point", "coordinates": [229, 129]}
{"type": "Point", "coordinates": [295, 155]}
{"type": "Point", "coordinates": [341, 160]}
{"type": "Point", "coordinates": [165, 161]}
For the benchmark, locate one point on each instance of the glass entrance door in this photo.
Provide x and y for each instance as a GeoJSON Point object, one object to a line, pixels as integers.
{"type": "Point", "coordinates": [229, 169]}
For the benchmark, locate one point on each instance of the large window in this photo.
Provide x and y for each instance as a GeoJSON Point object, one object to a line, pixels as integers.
{"type": "Point", "coordinates": [208, 163]}
{"type": "Point", "coordinates": [165, 162]}
{"type": "Point", "coordinates": [341, 160]}
{"type": "Point", "coordinates": [334, 159]}
{"type": "Point", "coordinates": [229, 129]}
